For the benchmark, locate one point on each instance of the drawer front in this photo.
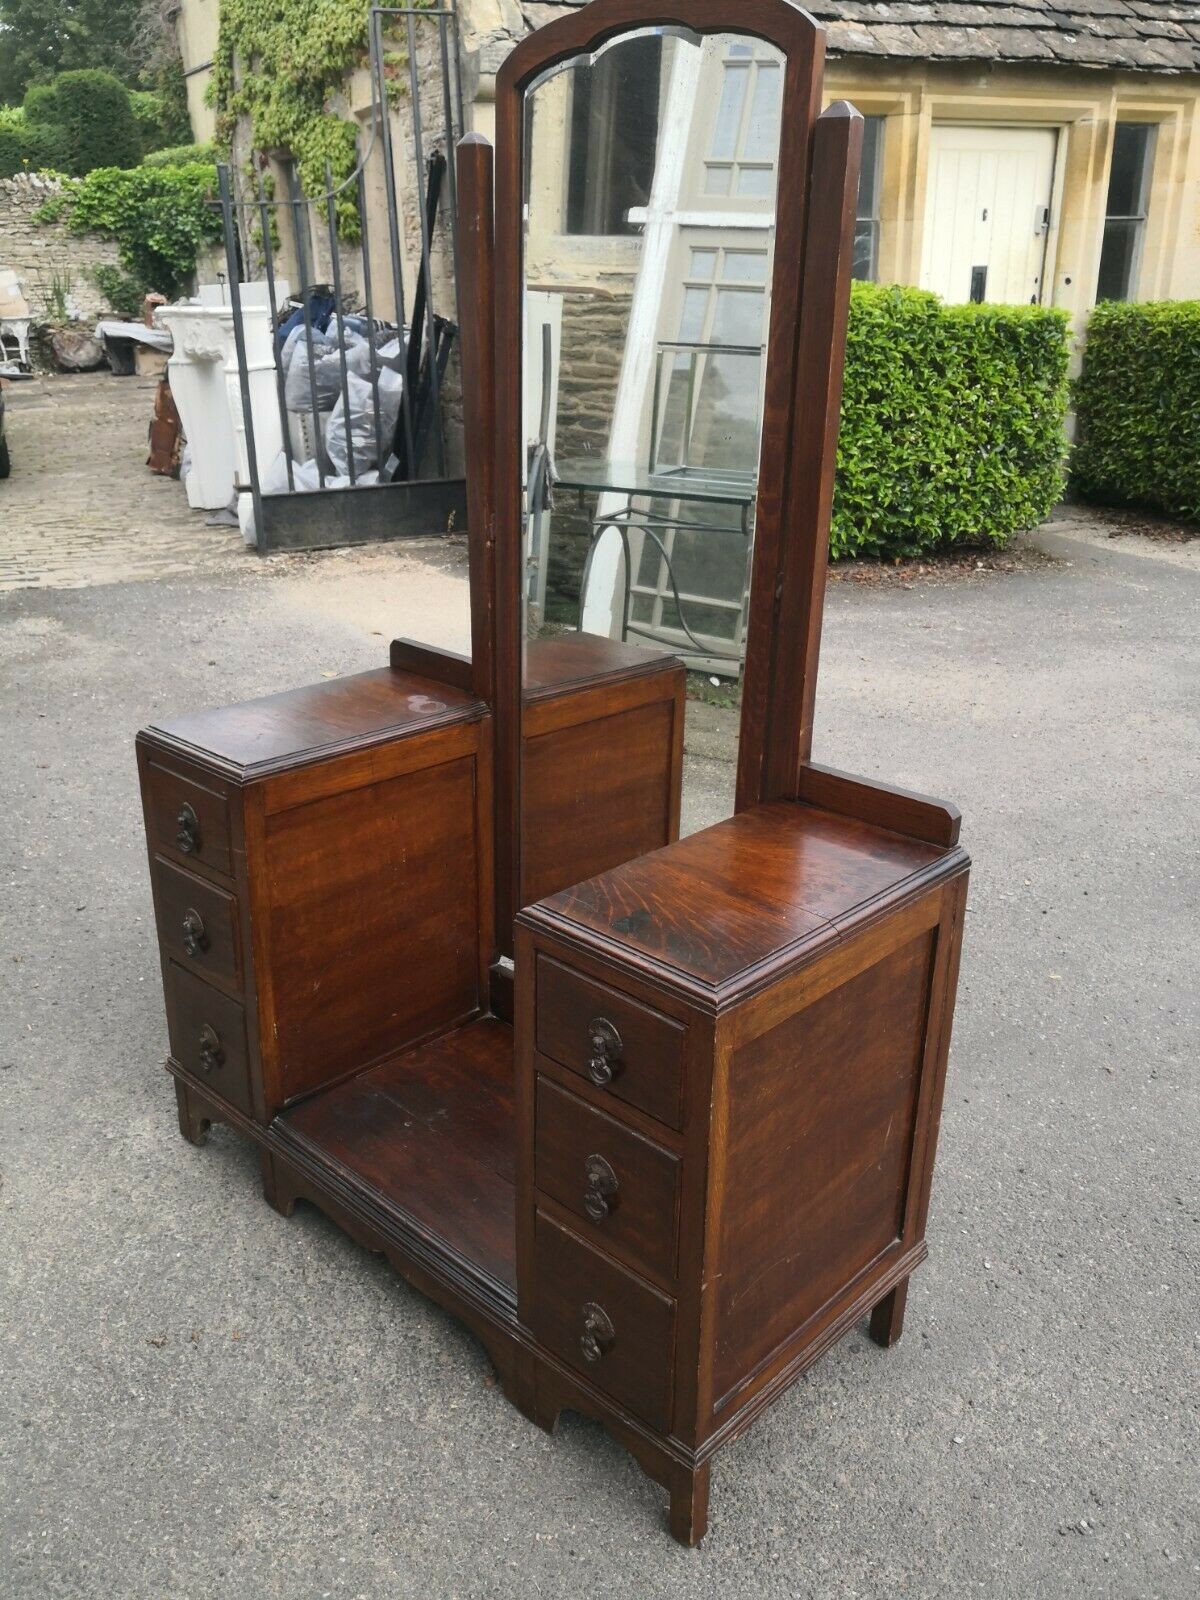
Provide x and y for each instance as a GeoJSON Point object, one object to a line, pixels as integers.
{"type": "Point", "coordinates": [187, 820]}
{"type": "Point", "coordinates": [208, 1036]}
{"type": "Point", "coordinates": [623, 1189]}
{"type": "Point", "coordinates": [197, 922]}
{"type": "Point", "coordinates": [610, 1326]}
{"type": "Point", "coordinates": [631, 1052]}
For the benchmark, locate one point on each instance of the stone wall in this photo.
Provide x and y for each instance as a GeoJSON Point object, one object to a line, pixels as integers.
{"type": "Point", "coordinates": [595, 324]}
{"type": "Point", "coordinates": [490, 28]}
{"type": "Point", "coordinates": [594, 328]}
{"type": "Point", "coordinates": [43, 254]}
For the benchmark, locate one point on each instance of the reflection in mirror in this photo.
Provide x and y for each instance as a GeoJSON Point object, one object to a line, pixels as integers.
{"type": "Point", "coordinates": [649, 228]}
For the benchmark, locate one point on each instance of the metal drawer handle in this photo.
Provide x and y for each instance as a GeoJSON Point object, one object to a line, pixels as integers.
{"type": "Point", "coordinates": [601, 1188]}
{"type": "Point", "coordinates": [599, 1335]}
{"type": "Point", "coordinates": [605, 1060]}
{"type": "Point", "coordinates": [212, 1055]}
{"type": "Point", "coordinates": [188, 837]}
{"type": "Point", "coordinates": [195, 934]}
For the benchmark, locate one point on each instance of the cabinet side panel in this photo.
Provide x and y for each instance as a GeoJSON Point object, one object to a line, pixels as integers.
{"type": "Point", "coordinates": [596, 794]}
{"type": "Point", "coordinates": [373, 908]}
{"type": "Point", "coordinates": [821, 1120]}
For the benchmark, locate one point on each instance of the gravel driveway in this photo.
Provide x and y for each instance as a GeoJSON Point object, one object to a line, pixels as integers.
{"type": "Point", "coordinates": [199, 1399]}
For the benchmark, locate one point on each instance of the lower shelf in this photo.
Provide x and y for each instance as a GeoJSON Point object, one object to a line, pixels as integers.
{"type": "Point", "coordinates": [430, 1138]}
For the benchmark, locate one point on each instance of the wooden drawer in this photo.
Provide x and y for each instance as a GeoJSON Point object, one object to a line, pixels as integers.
{"type": "Point", "coordinates": [640, 1055]}
{"type": "Point", "coordinates": [187, 820]}
{"type": "Point", "coordinates": [208, 1036]}
{"type": "Point", "coordinates": [612, 1327]}
{"type": "Point", "coordinates": [197, 922]}
{"type": "Point", "coordinates": [623, 1189]}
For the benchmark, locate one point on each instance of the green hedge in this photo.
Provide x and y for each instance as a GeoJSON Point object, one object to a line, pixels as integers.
{"type": "Point", "coordinates": [28, 147]}
{"type": "Point", "coordinates": [1137, 408]}
{"type": "Point", "coordinates": [148, 111]}
{"type": "Point", "coordinates": [952, 423]}
{"type": "Point", "coordinates": [156, 113]}
{"type": "Point", "coordinates": [93, 115]}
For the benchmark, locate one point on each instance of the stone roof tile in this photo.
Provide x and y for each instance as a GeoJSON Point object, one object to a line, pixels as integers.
{"type": "Point", "coordinates": [958, 44]}
{"type": "Point", "coordinates": [1139, 35]}
{"type": "Point", "coordinates": [1142, 35]}
{"type": "Point", "coordinates": [852, 39]}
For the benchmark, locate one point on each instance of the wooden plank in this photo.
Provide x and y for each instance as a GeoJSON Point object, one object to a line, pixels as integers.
{"type": "Point", "coordinates": [915, 815]}
{"type": "Point", "coordinates": [822, 1116]}
{"type": "Point", "coordinates": [477, 353]}
{"type": "Point", "coordinates": [430, 1133]}
{"type": "Point", "coordinates": [441, 666]}
{"type": "Point", "coordinates": [816, 418]}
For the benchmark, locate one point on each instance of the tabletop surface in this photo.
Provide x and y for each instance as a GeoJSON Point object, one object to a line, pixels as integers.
{"type": "Point", "coordinates": [682, 483]}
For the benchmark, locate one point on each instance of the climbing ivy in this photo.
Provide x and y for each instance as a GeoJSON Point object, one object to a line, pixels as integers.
{"type": "Point", "coordinates": [159, 217]}
{"type": "Point", "coordinates": [283, 64]}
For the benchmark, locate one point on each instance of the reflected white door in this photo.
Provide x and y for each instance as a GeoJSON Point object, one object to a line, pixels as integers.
{"type": "Point", "coordinates": [988, 213]}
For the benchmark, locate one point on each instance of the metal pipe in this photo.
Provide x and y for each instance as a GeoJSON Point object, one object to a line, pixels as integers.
{"type": "Point", "coordinates": [239, 341]}
{"type": "Point", "coordinates": [458, 88]}
{"type": "Point", "coordinates": [389, 174]}
{"type": "Point", "coordinates": [306, 304]}
{"type": "Point", "coordinates": [368, 304]}
{"type": "Point", "coordinates": [269, 268]}
{"type": "Point", "coordinates": [335, 267]}
{"type": "Point", "coordinates": [426, 264]}
{"type": "Point", "coordinates": [447, 111]}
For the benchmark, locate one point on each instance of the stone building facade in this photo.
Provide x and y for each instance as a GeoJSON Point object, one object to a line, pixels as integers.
{"type": "Point", "coordinates": [1088, 111]}
{"type": "Point", "coordinates": [1038, 150]}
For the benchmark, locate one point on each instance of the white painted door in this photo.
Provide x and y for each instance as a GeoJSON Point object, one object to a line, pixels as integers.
{"type": "Point", "coordinates": [988, 213]}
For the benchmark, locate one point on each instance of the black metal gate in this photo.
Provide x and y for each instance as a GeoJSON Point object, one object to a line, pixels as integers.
{"type": "Point", "coordinates": [361, 399]}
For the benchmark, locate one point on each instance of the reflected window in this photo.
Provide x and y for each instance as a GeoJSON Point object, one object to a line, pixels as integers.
{"type": "Point", "coordinates": [745, 140]}
{"type": "Point", "coordinates": [642, 405]}
{"type": "Point", "coordinates": [613, 139]}
{"type": "Point", "coordinates": [1125, 213]}
{"type": "Point", "coordinates": [866, 225]}
{"type": "Point", "coordinates": [709, 379]}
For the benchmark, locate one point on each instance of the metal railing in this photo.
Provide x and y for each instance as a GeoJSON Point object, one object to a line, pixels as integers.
{"type": "Point", "coordinates": [404, 364]}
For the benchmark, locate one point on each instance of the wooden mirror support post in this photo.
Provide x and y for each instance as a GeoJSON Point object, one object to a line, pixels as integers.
{"type": "Point", "coordinates": [656, 1117]}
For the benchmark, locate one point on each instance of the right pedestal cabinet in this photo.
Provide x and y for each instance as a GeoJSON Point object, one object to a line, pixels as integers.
{"type": "Point", "coordinates": [730, 1063]}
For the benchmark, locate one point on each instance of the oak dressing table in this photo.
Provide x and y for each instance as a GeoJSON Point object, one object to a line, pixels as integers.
{"type": "Point", "coordinates": [652, 1110]}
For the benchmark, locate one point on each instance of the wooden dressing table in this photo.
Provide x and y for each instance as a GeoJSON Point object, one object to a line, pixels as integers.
{"type": "Point", "coordinates": [656, 1117]}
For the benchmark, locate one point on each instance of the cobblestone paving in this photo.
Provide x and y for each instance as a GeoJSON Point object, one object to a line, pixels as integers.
{"type": "Point", "coordinates": [81, 506]}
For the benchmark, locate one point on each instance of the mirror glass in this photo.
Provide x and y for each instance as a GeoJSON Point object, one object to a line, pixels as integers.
{"type": "Point", "coordinates": [650, 191]}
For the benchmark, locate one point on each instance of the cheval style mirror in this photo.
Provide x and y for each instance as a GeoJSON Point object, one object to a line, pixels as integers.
{"type": "Point", "coordinates": [627, 1050]}
{"type": "Point", "coordinates": [649, 223]}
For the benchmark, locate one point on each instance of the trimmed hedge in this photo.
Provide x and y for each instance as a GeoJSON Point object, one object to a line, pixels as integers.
{"type": "Point", "coordinates": [28, 146]}
{"type": "Point", "coordinates": [952, 423]}
{"type": "Point", "coordinates": [1137, 408]}
{"type": "Point", "coordinates": [92, 112]}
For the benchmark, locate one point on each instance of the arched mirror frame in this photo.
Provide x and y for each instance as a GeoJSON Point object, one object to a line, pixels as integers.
{"type": "Point", "coordinates": [801, 395]}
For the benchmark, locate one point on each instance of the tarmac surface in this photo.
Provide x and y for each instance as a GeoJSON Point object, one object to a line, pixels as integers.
{"type": "Point", "coordinates": [200, 1399]}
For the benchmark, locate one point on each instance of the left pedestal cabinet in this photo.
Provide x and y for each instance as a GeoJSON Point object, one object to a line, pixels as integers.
{"type": "Point", "coordinates": [299, 852]}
